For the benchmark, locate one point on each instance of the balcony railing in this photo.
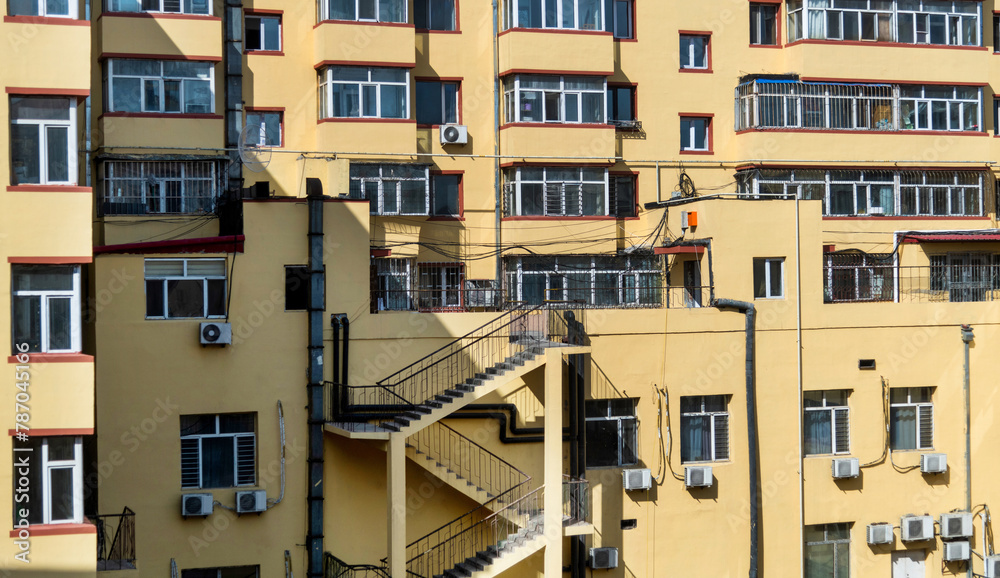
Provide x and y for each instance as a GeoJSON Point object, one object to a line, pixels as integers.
{"type": "Point", "coordinates": [437, 300]}
{"type": "Point", "coordinates": [334, 567]}
{"type": "Point", "coordinates": [951, 283]}
{"type": "Point", "coordinates": [116, 541]}
{"type": "Point", "coordinates": [576, 500]}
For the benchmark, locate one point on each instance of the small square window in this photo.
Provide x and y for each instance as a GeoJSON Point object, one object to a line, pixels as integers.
{"type": "Point", "coordinates": [696, 135]}
{"type": "Point", "coordinates": [296, 288]}
{"type": "Point", "coordinates": [704, 428]}
{"type": "Point", "coordinates": [768, 278]}
{"type": "Point", "coordinates": [218, 451]}
{"type": "Point", "coordinates": [695, 50]}
{"type": "Point", "coordinates": [612, 433]}
{"type": "Point", "coordinates": [622, 19]}
{"type": "Point", "coordinates": [271, 128]}
{"type": "Point", "coordinates": [826, 422]}
{"type": "Point", "coordinates": [763, 24]}
{"type": "Point", "coordinates": [263, 33]}
{"type": "Point", "coordinates": [437, 102]}
{"type": "Point", "coordinates": [446, 194]}
{"type": "Point", "coordinates": [621, 106]}
{"type": "Point", "coordinates": [434, 14]}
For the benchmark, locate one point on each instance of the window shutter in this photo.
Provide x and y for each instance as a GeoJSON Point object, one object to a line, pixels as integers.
{"type": "Point", "coordinates": [721, 434]}
{"type": "Point", "coordinates": [509, 202]}
{"type": "Point", "coordinates": [245, 461]}
{"type": "Point", "coordinates": [842, 432]}
{"type": "Point", "coordinates": [925, 414]}
{"type": "Point", "coordinates": [554, 198]}
{"type": "Point", "coordinates": [164, 268]}
{"type": "Point", "coordinates": [206, 268]}
{"type": "Point", "coordinates": [190, 463]}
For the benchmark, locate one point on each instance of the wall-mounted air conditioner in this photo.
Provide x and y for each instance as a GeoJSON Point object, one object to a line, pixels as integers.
{"type": "Point", "coordinates": [196, 505]}
{"type": "Point", "coordinates": [844, 468]}
{"type": "Point", "coordinates": [214, 333]}
{"type": "Point", "coordinates": [880, 534]}
{"type": "Point", "coordinates": [640, 479]}
{"type": "Point", "coordinates": [992, 564]}
{"type": "Point", "coordinates": [956, 525]}
{"type": "Point", "coordinates": [933, 463]}
{"type": "Point", "coordinates": [604, 558]}
{"type": "Point", "coordinates": [454, 134]}
{"type": "Point", "coordinates": [956, 551]}
{"type": "Point", "coordinates": [916, 528]}
{"type": "Point", "coordinates": [698, 476]}
{"type": "Point", "coordinates": [251, 501]}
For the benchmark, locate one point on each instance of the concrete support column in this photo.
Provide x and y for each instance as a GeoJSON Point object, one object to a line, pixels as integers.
{"type": "Point", "coordinates": [396, 488]}
{"type": "Point", "coordinates": [553, 447]}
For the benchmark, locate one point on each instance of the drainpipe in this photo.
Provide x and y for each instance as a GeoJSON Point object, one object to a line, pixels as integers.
{"type": "Point", "coordinates": [346, 324]}
{"type": "Point", "coordinates": [967, 338]}
{"type": "Point", "coordinates": [578, 443]}
{"type": "Point", "coordinates": [314, 537]}
{"type": "Point", "coordinates": [498, 196]}
{"type": "Point", "coordinates": [335, 401]}
{"type": "Point", "coordinates": [747, 309]}
{"type": "Point", "coordinates": [233, 64]}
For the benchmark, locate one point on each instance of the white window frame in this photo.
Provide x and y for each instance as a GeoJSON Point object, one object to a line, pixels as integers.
{"type": "Point", "coordinates": [799, 21]}
{"type": "Point", "coordinates": [719, 423]}
{"type": "Point", "coordinates": [326, 12]}
{"type": "Point", "coordinates": [386, 299]}
{"type": "Point", "coordinates": [41, 10]}
{"type": "Point", "coordinates": [757, 23]}
{"type": "Point", "coordinates": [514, 92]}
{"type": "Point", "coordinates": [689, 125]}
{"type": "Point", "coordinates": [43, 138]}
{"type": "Point", "coordinates": [689, 52]}
{"type": "Point", "coordinates": [442, 84]}
{"type": "Point", "coordinates": [840, 419]}
{"type": "Point", "coordinates": [769, 288]}
{"type": "Point", "coordinates": [954, 107]}
{"type": "Point", "coordinates": [160, 80]}
{"type": "Point", "coordinates": [390, 185]}
{"type": "Point", "coordinates": [262, 18]}
{"type": "Point", "coordinates": [512, 17]}
{"type": "Point", "coordinates": [263, 126]}
{"type": "Point", "coordinates": [46, 466]}
{"type": "Point", "coordinates": [153, 189]}
{"type": "Point", "coordinates": [562, 189]}
{"type": "Point", "coordinates": [326, 82]}
{"type": "Point", "coordinates": [196, 452]}
{"type": "Point", "coordinates": [47, 295]}
{"type": "Point", "coordinates": [926, 406]}
{"type": "Point", "coordinates": [186, 277]}
{"type": "Point", "coordinates": [116, 6]}
{"type": "Point", "coordinates": [950, 18]}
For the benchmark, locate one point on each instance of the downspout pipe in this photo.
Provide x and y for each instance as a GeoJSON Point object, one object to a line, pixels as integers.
{"type": "Point", "coordinates": [314, 498]}
{"type": "Point", "coordinates": [233, 65]}
{"type": "Point", "coordinates": [346, 324]}
{"type": "Point", "coordinates": [967, 338]}
{"type": "Point", "coordinates": [337, 408]}
{"type": "Point", "coordinates": [498, 195]}
{"type": "Point", "coordinates": [749, 313]}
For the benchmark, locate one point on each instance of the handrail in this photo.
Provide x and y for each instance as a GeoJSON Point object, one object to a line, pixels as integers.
{"type": "Point", "coordinates": [119, 552]}
{"type": "Point", "coordinates": [428, 442]}
{"type": "Point", "coordinates": [334, 567]}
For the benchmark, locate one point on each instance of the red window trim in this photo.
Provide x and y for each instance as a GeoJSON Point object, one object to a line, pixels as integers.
{"type": "Point", "coordinates": [635, 94]}
{"type": "Point", "coordinates": [48, 189]}
{"type": "Point", "coordinates": [710, 128]}
{"type": "Point", "coordinates": [708, 51]}
{"type": "Point", "coordinates": [46, 20]}
{"type": "Point", "coordinates": [122, 114]}
{"type": "Point", "coordinates": [365, 63]}
{"type": "Point", "coordinates": [51, 260]}
{"type": "Point", "coordinates": [278, 109]}
{"type": "Point", "coordinates": [39, 530]}
{"type": "Point", "coordinates": [281, 30]}
{"type": "Point", "coordinates": [161, 16]}
{"type": "Point", "coordinates": [140, 56]}
{"type": "Point", "coordinates": [461, 196]}
{"type": "Point", "coordinates": [54, 358]}
{"type": "Point", "coordinates": [53, 432]}
{"type": "Point", "coordinates": [635, 188]}
{"type": "Point", "coordinates": [458, 23]}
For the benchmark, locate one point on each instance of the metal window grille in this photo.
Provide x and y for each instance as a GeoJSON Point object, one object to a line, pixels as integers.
{"type": "Point", "coordinates": [157, 187]}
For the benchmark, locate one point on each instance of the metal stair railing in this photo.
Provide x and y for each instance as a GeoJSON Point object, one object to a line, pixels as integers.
{"type": "Point", "coordinates": [467, 459]}
{"type": "Point", "coordinates": [334, 567]}
{"type": "Point", "coordinates": [116, 548]}
{"type": "Point", "coordinates": [478, 532]}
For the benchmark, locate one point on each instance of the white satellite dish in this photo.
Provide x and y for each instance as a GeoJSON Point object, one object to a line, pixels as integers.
{"type": "Point", "coordinates": [254, 156]}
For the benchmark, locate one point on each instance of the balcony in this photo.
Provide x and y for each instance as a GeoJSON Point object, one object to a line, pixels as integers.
{"type": "Point", "coordinates": [968, 279]}
{"type": "Point", "coordinates": [566, 51]}
{"type": "Point", "coordinates": [116, 541]}
{"type": "Point", "coordinates": [344, 42]}
{"type": "Point", "coordinates": [192, 36]}
{"type": "Point", "coordinates": [558, 140]}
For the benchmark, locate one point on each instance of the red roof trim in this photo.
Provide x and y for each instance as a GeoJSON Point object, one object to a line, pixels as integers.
{"type": "Point", "coordinates": [951, 237]}
{"type": "Point", "coordinates": [680, 250]}
{"type": "Point", "coordinates": [227, 244]}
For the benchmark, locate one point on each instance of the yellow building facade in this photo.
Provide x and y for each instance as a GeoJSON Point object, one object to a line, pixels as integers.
{"type": "Point", "coordinates": [391, 288]}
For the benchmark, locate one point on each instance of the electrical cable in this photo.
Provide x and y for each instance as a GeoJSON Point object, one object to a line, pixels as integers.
{"type": "Point", "coordinates": [885, 421]}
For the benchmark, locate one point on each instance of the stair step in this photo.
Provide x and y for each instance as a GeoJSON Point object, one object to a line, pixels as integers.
{"type": "Point", "coordinates": [422, 409]}
{"type": "Point", "coordinates": [482, 376]}
{"type": "Point", "coordinates": [390, 426]}
{"type": "Point", "coordinates": [436, 404]}
{"type": "Point", "coordinates": [465, 387]}
{"type": "Point", "coordinates": [412, 415]}
{"type": "Point", "coordinates": [466, 568]}
{"type": "Point", "coordinates": [444, 398]}
{"type": "Point", "coordinates": [403, 421]}
{"type": "Point", "coordinates": [453, 393]}
{"type": "Point", "coordinates": [486, 556]}
{"type": "Point", "coordinates": [475, 563]}
{"type": "Point", "coordinates": [473, 381]}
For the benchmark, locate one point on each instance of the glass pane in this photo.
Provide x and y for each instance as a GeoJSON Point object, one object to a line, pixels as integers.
{"type": "Point", "coordinates": [36, 108]}
{"type": "Point", "coordinates": [413, 197]}
{"type": "Point", "coordinates": [696, 439]}
{"type": "Point", "coordinates": [198, 425]}
{"type": "Point", "coordinates": [602, 443]}
{"type": "Point", "coordinates": [197, 96]}
{"type": "Point", "coordinates": [61, 448]}
{"type": "Point", "coordinates": [429, 103]}
{"type": "Point", "coordinates": [60, 324]}
{"type": "Point", "coordinates": [819, 562]}
{"type": "Point", "coordinates": [272, 33]}
{"type": "Point", "coordinates": [43, 277]}
{"type": "Point", "coordinates": [818, 433]}
{"type": "Point", "coordinates": [236, 423]}
{"type": "Point", "coordinates": [61, 492]}
{"type": "Point", "coordinates": [391, 10]}
{"type": "Point", "coordinates": [903, 428]}
{"type": "Point", "coordinates": [389, 75]}
{"type": "Point", "coordinates": [446, 194]}
{"type": "Point", "coordinates": [450, 103]}
{"type": "Point", "coordinates": [776, 286]}
{"type": "Point", "coordinates": [125, 94]}
{"type": "Point", "coordinates": [346, 100]}
{"type": "Point", "coordinates": [342, 10]}
{"type": "Point", "coordinates": [23, 8]}
{"type": "Point", "coordinates": [366, 9]}
{"type": "Point", "coordinates": [629, 441]}
{"type": "Point", "coordinates": [25, 154]}
{"type": "Point", "coordinates": [216, 297]}
{"type": "Point", "coordinates": [217, 462]}
{"type": "Point", "coordinates": [272, 129]}
{"type": "Point", "coordinates": [185, 298]}
{"type": "Point", "coordinates": [759, 280]}
{"type": "Point", "coordinates": [592, 107]}
{"type": "Point", "coordinates": [27, 322]}
{"type": "Point", "coordinates": [442, 14]}
{"type": "Point", "coordinates": [57, 141]}
{"type": "Point", "coordinates": [393, 101]}
{"type": "Point", "coordinates": [253, 39]}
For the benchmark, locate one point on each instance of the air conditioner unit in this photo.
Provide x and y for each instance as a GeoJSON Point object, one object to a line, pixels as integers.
{"type": "Point", "coordinates": [844, 468]}
{"type": "Point", "coordinates": [196, 505]}
{"type": "Point", "coordinates": [641, 479]}
{"type": "Point", "coordinates": [251, 501]}
{"type": "Point", "coordinates": [698, 476]}
{"type": "Point", "coordinates": [916, 528]}
{"type": "Point", "coordinates": [992, 564]}
{"type": "Point", "coordinates": [876, 211]}
{"type": "Point", "coordinates": [880, 534]}
{"type": "Point", "coordinates": [604, 558]}
{"type": "Point", "coordinates": [934, 463]}
{"type": "Point", "coordinates": [213, 333]}
{"type": "Point", "coordinates": [956, 551]}
{"type": "Point", "coordinates": [957, 525]}
{"type": "Point", "coordinates": [454, 134]}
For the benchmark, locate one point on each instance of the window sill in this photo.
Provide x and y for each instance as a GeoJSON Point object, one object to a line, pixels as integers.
{"type": "Point", "coordinates": [160, 16]}
{"type": "Point", "coordinates": [556, 125]}
{"type": "Point", "coordinates": [557, 31]}
{"type": "Point", "coordinates": [696, 70]}
{"type": "Point", "coordinates": [372, 120]}
{"type": "Point", "coordinates": [429, 31]}
{"type": "Point", "coordinates": [46, 20]}
{"type": "Point", "coordinates": [264, 52]}
{"type": "Point", "coordinates": [36, 530]}
{"type": "Point", "coordinates": [445, 218]}
{"type": "Point", "coordinates": [187, 115]}
{"type": "Point", "coordinates": [697, 152]}
{"type": "Point", "coordinates": [882, 44]}
{"type": "Point", "coordinates": [365, 23]}
{"type": "Point", "coordinates": [54, 358]}
{"type": "Point", "coordinates": [765, 46]}
{"type": "Point", "coordinates": [626, 40]}
{"type": "Point", "coordinates": [48, 189]}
